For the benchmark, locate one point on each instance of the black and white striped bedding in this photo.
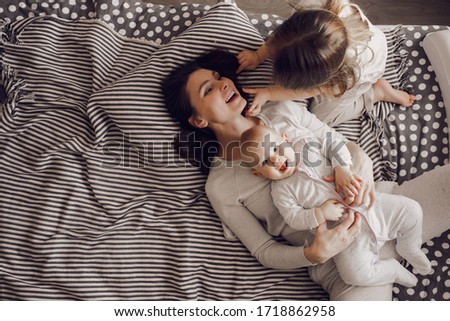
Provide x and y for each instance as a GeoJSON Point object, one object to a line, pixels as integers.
{"type": "Point", "coordinates": [95, 203]}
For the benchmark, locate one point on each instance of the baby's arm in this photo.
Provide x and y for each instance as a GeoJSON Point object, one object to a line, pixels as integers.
{"type": "Point", "coordinates": [331, 210]}
{"type": "Point", "coordinates": [249, 59]}
{"type": "Point", "coordinates": [290, 205]}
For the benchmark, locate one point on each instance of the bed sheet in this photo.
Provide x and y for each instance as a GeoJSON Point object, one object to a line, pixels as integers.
{"type": "Point", "coordinates": [166, 270]}
{"type": "Point", "coordinates": [75, 224]}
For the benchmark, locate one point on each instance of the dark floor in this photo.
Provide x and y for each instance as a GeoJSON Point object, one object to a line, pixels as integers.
{"type": "Point", "coordinates": [408, 12]}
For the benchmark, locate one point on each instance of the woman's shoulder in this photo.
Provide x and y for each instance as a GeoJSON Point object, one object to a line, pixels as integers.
{"type": "Point", "coordinates": [222, 174]}
{"type": "Point", "coordinates": [231, 178]}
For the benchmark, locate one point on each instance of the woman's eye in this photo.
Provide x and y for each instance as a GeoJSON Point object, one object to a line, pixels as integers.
{"type": "Point", "coordinates": [208, 90]}
{"type": "Point", "coordinates": [265, 162]}
{"type": "Point", "coordinates": [216, 76]}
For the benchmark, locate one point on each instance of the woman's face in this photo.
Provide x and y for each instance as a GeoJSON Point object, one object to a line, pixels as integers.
{"type": "Point", "coordinates": [215, 99]}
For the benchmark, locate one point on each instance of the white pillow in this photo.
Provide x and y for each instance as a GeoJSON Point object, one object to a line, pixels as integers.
{"type": "Point", "coordinates": [437, 47]}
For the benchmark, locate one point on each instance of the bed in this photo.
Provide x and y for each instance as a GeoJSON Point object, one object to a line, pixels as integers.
{"type": "Point", "coordinates": [95, 203]}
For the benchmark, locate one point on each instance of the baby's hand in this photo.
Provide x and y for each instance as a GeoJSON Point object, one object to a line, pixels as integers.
{"type": "Point", "coordinates": [332, 210]}
{"type": "Point", "coordinates": [347, 183]}
{"type": "Point", "coordinates": [248, 60]}
{"type": "Point", "coordinates": [261, 96]}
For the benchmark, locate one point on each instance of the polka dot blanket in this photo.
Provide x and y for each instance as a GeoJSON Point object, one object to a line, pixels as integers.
{"type": "Point", "coordinates": [413, 140]}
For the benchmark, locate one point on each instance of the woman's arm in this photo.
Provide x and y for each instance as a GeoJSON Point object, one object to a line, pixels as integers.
{"type": "Point", "coordinates": [327, 243]}
{"type": "Point", "coordinates": [250, 231]}
{"type": "Point", "coordinates": [272, 254]}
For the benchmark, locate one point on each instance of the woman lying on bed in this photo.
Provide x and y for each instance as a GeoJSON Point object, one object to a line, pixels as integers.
{"type": "Point", "coordinates": [204, 98]}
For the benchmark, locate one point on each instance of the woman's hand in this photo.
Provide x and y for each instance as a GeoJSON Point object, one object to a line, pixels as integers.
{"type": "Point", "coordinates": [329, 242]}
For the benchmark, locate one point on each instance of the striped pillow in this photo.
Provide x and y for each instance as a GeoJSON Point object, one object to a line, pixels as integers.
{"type": "Point", "coordinates": [231, 30]}
{"type": "Point", "coordinates": [146, 121]}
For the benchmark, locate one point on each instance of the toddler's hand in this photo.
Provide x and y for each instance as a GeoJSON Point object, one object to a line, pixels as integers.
{"type": "Point", "coordinates": [261, 96]}
{"type": "Point", "coordinates": [248, 60]}
{"type": "Point", "coordinates": [332, 210]}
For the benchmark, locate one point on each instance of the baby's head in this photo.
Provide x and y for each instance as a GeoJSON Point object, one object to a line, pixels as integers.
{"type": "Point", "coordinates": [267, 153]}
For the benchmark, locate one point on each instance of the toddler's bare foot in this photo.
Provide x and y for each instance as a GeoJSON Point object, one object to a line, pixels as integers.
{"type": "Point", "coordinates": [383, 91]}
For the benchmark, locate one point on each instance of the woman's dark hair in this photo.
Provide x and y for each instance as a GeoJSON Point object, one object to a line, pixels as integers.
{"type": "Point", "coordinates": [196, 145]}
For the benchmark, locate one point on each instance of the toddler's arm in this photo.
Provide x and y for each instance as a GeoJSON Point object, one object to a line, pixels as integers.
{"type": "Point", "coordinates": [249, 59]}
{"type": "Point", "coordinates": [262, 95]}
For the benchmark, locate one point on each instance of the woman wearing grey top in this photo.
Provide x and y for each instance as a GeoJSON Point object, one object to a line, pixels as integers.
{"type": "Point", "coordinates": [204, 98]}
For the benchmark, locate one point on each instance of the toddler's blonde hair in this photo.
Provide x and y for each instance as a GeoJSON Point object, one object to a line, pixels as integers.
{"type": "Point", "coordinates": [317, 48]}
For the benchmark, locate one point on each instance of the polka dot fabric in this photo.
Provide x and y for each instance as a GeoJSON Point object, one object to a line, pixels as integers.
{"type": "Point", "coordinates": [265, 23]}
{"type": "Point", "coordinates": [13, 10]}
{"type": "Point", "coordinates": [416, 137]}
{"type": "Point", "coordinates": [433, 287]}
{"type": "Point", "coordinates": [416, 141]}
{"type": "Point", "coordinates": [160, 23]}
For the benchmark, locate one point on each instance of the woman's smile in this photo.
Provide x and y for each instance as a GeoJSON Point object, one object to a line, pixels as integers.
{"type": "Point", "coordinates": [230, 96]}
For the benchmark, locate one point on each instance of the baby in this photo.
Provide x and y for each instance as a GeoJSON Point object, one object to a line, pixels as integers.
{"type": "Point", "coordinates": [305, 200]}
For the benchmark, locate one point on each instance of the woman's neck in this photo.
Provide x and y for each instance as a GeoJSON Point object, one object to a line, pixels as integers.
{"type": "Point", "coordinates": [229, 134]}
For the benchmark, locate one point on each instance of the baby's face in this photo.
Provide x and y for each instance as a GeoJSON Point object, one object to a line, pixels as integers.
{"type": "Point", "coordinates": [272, 156]}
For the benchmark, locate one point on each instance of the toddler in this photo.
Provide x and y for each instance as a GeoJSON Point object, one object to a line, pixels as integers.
{"type": "Point", "coordinates": [329, 51]}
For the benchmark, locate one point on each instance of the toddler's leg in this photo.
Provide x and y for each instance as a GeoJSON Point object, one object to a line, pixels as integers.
{"type": "Point", "coordinates": [383, 91]}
